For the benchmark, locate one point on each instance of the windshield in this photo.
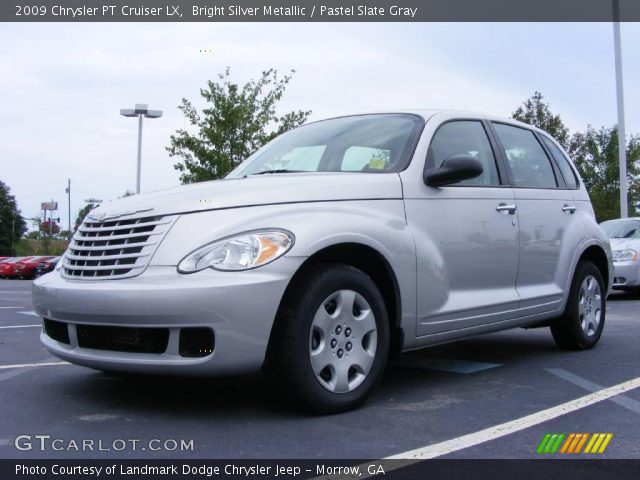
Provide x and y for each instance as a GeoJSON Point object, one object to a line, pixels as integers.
{"type": "Point", "coordinates": [622, 228]}
{"type": "Point", "coordinates": [364, 143]}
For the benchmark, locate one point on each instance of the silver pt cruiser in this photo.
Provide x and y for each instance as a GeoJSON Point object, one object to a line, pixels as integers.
{"type": "Point", "coordinates": [336, 245]}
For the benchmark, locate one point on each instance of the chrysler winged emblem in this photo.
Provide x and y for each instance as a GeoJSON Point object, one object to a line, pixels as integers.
{"type": "Point", "coordinates": [102, 216]}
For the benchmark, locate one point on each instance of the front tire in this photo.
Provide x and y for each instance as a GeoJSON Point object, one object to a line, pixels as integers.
{"type": "Point", "coordinates": [581, 325]}
{"type": "Point", "coordinates": [330, 343]}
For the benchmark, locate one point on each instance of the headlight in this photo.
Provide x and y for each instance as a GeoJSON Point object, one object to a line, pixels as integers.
{"type": "Point", "coordinates": [240, 252]}
{"type": "Point", "coordinates": [627, 255]}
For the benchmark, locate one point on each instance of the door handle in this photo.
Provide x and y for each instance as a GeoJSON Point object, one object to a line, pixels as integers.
{"type": "Point", "coordinates": [503, 207]}
{"type": "Point", "coordinates": [569, 208]}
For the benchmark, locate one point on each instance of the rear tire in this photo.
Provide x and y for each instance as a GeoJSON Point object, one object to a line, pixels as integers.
{"type": "Point", "coordinates": [330, 343]}
{"type": "Point", "coordinates": [581, 325]}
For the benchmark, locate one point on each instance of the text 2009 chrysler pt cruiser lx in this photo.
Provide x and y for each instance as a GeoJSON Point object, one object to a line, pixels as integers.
{"type": "Point", "coordinates": [337, 243]}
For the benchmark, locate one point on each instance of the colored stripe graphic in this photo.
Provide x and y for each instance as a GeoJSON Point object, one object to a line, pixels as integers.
{"type": "Point", "coordinates": [543, 443]}
{"type": "Point", "coordinates": [574, 442]}
{"type": "Point", "coordinates": [598, 442]}
{"type": "Point", "coordinates": [550, 443]}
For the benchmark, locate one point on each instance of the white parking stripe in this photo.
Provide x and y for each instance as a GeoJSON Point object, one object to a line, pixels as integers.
{"type": "Point", "coordinates": [10, 307]}
{"type": "Point", "coordinates": [410, 457]}
{"type": "Point", "coordinates": [30, 312]}
{"type": "Point", "coordinates": [492, 433]}
{"type": "Point", "coordinates": [29, 365]}
{"type": "Point", "coordinates": [21, 326]}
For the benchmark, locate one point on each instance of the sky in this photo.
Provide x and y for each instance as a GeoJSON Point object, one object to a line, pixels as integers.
{"type": "Point", "coordinates": [62, 85]}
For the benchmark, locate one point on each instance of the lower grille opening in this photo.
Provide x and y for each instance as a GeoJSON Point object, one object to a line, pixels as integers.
{"type": "Point", "coordinates": [619, 280]}
{"type": "Point", "coordinates": [123, 339]}
{"type": "Point", "coordinates": [57, 330]}
{"type": "Point", "coordinates": [196, 342]}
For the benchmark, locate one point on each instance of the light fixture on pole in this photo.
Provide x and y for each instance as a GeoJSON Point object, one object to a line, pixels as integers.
{"type": "Point", "coordinates": [141, 110]}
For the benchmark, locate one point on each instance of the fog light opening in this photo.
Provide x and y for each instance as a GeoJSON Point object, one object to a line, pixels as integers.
{"type": "Point", "coordinates": [58, 331]}
{"type": "Point", "coordinates": [196, 342]}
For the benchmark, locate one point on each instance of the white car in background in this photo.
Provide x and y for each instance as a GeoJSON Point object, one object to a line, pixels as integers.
{"type": "Point", "coordinates": [624, 236]}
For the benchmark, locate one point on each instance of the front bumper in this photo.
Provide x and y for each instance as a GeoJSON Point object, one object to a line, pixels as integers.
{"type": "Point", "coordinates": [626, 275]}
{"type": "Point", "coordinates": [239, 307]}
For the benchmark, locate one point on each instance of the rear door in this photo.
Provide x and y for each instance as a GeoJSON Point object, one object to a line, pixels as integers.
{"type": "Point", "coordinates": [549, 230]}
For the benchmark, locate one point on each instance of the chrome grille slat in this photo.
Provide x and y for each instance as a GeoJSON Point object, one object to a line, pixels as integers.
{"type": "Point", "coordinates": [103, 257]}
{"type": "Point", "coordinates": [84, 228]}
{"type": "Point", "coordinates": [107, 238]}
{"type": "Point", "coordinates": [108, 267]}
{"type": "Point", "coordinates": [114, 249]}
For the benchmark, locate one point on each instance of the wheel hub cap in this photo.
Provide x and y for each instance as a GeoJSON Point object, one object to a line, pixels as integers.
{"type": "Point", "coordinates": [342, 341]}
{"type": "Point", "coordinates": [590, 305]}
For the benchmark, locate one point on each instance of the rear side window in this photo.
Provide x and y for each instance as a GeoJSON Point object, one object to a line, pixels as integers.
{"type": "Point", "coordinates": [464, 137]}
{"type": "Point", "coordinates": [568, 174]}
{"type": "Point", "coordinates": [530, 166]}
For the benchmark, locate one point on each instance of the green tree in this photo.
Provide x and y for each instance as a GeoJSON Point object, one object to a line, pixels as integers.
{"type": "Point", "coordinates": [49, 228]}
{"type": "Point", "coordinates": [536, 112]}
{"type": "Point", "coordinates": [12, 226]}
{"type": "Point", "coordinates": [595, 154]}
{"type": "Point", "coordinates": [236, 121]}
{"type": "Point", "coordinates": [65, 234]}
{"type": "Point", "coordinates": [83, 213]}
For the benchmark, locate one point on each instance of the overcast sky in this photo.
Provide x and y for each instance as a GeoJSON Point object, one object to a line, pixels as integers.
{"type": "Point", "coordinates": [62, 85]}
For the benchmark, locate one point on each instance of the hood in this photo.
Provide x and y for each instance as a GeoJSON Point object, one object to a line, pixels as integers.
{"type": "Point", "coordinates": [625, 243]}
{"type": "Point", "coordinates": [255, 190]}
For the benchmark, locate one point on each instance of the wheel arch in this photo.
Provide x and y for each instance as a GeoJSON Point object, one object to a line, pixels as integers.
{"type": "Point", "coordinates": [596, 255]}
{"type": "Point", "coordinates": [371, 262]}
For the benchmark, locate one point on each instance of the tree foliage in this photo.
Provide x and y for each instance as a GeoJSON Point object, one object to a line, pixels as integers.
{"type": "Point", "coordinates": [12, 226]}
{"type": "Point", "coordinates": [83, 213]}
{"type": "Point", "coordinates": [536, 112]}
{"type": "Point", "coordinates": [50, 228]}
{"type": "Point", "coordinates": [595, 153]}
{"type": "Point", "coordinates": [236, 121]}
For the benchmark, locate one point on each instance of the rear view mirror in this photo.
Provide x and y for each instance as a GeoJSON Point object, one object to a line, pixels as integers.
{"type": "Point", "coordinates": [454, 169]}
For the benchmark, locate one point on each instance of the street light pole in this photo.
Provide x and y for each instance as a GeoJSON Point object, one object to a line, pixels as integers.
{"type": "Point", "coordinates": [622, 144]}
{"type": "Point", "coordinates": [69, 203]}
{"type": "Point", "coordinates": [139, 153]}
{"type": "Point", "coordinates": [141, 110]}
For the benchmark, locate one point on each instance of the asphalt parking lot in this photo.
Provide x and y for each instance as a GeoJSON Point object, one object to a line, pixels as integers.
{"type": "Point", "coordinates": [426, 398]}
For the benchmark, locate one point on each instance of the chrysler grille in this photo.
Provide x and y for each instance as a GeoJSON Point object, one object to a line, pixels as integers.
{"type": "Point", "coordinates": [113, 249]}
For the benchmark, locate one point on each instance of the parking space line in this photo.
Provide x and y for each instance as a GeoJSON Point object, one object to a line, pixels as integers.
{"type": "Point", "coordinates": [513, 426]}
{"type": "Point", "coordinates": [20, 326]}
{"type": "Point", "coordinates": [9, 307]}
{"type": "Point", "coordinates": [30, 365]}
{"type": "Point", "coordinates": [626, 402]}
{"type": "Point", "coordinates": [29, 312]}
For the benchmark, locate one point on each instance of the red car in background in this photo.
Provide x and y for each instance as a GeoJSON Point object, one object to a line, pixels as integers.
{"type": "Point", "coordinates": [26, 268]}
{"type": "Point", "coordinates": [8, 267]}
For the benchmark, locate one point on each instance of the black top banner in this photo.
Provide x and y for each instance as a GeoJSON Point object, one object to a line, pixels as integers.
{"type": "Point", "coordinates": [319, 11]}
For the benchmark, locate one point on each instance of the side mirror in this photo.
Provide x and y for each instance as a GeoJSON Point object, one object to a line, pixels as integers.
{"type": "Point", "coordinates": [454, 169]}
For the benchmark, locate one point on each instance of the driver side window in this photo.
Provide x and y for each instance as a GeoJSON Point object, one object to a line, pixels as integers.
{"type": "Point", "coordinates": [465, 137]}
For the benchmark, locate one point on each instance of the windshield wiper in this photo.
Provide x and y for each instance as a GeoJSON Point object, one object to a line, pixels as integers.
{"type": "Point", "coordinates": [278, 170]}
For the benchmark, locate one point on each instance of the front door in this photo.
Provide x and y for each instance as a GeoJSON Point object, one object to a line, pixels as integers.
{"type": "Point", "coordinates": [466, 238]}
